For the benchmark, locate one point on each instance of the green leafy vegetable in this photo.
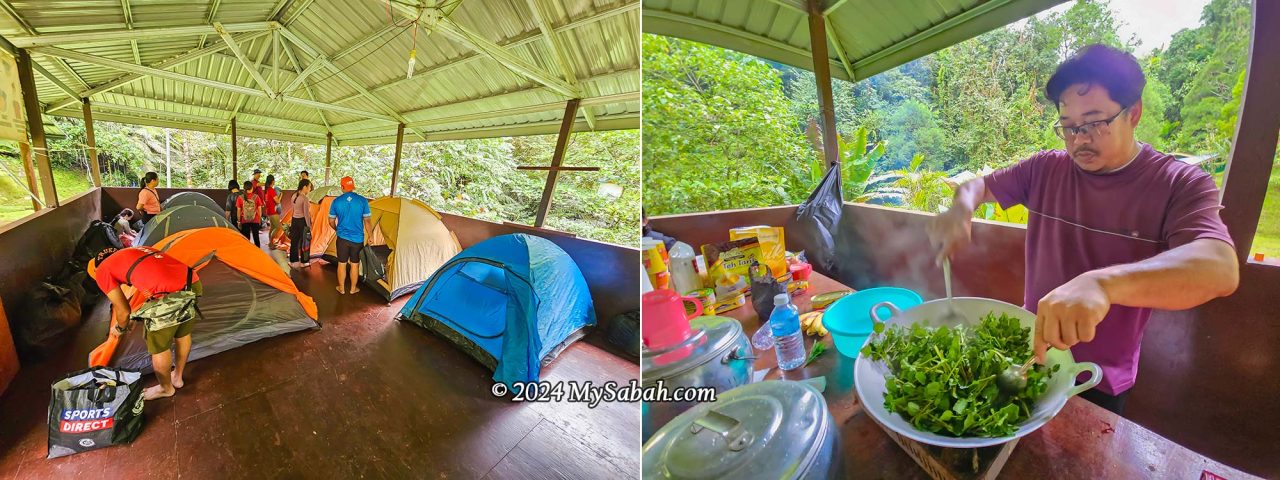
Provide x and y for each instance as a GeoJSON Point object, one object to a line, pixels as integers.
{"type": "Point", "coordinates": [818, 349]}
{"type": "Point", "coordinates": [943, 380]}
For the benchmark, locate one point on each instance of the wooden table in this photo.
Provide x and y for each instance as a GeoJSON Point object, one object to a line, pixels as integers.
{"type": "Point", "coordinates": [1084, 441]}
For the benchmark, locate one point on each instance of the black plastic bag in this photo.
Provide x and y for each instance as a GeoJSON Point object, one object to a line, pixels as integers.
{"type": "Point", "coordinates": [763, 288]}
{"type": "Point", "coordinates": [94, 408]}
{"type": "Point", "coordinates": [623, 332]}
{"type": "Point", "coordinates": [49, 313]}
{"type": "Point", "coordinates": [814, 225]}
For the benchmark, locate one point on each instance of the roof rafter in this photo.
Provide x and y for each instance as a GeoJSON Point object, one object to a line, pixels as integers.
{"type": "Point", "coordinates": [172, 62]}
{"type": "Point", "coordinates": [129, 67]}
{"type": "Point", "coordinates": [313, 51]}
{"type": "Point", "coordinates": [213, 12]}
{"type": "Point", "coordinates": [128, 23]}
{"type": "Point", "coordinates": [479, 43]}
{"type": "Point", "coordinates": [198, 127]}
{"type": "Point", "coordinates": [558, 51]}
{"type": "Point", "coordinates": [293, 58]}
{"type": "Point", "coordinates": [244, 99]}
{"type": "Point", "coordinates": [116, 35]}
{"type": "Point", "coordinates": [296, 127]}
{"type": "Point", "coordinates": [516, 41]}
{"type": "Point", "coordinates": [509, 112]}
{"type": "Point", "coordinates": [610, 122]}
{"type": "Point", "coordinates": [253, 69]}
{"type": "Point", "coordinates": [368, 125]}
{"type": "Point", "coordinates": [57, 83]}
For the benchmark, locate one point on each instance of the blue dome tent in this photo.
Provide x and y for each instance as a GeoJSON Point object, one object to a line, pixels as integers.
{"type": "Point", "coordinates": [513, 302]}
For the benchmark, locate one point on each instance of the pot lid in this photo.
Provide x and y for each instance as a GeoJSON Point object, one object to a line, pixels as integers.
{"type": "Point", "coordinates": [772, 429]}
{"type": "Point", "coordinates": [713, 338]}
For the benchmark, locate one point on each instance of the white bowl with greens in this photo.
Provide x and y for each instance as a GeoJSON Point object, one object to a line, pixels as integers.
{"type": "Point", "coordinates": [941, 379]}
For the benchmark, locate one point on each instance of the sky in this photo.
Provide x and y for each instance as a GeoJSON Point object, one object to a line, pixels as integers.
{"type": "Point", "coordinates": [1153, 21]}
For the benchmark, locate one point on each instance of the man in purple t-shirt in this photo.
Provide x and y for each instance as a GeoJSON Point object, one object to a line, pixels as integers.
{"type": "Point", "coordinates": [1115, 227]}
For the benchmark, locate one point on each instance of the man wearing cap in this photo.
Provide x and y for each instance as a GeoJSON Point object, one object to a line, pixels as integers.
{"type": "Point", "coordinates": [257, 181]}
{"type": "Point", "coordinates": [153, 275]}
{"type": "Point", "coordinates": [349, 215]}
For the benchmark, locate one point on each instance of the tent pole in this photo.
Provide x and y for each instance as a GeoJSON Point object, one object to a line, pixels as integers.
{"type": "Point", "coordinates": [35, 124]}
{"type": "Point", "coordinates": [395, 167]}
{"type": "Point", "coordinates": [94, 167]}
{"type": "Point", "coordinates": [562, 141]}
{"type": "Point", "coordinates": [328, 155]}
{"type": "Point", "coordinates": [822, 73]}
{"type": "Point", "coordinates": [235, 171]}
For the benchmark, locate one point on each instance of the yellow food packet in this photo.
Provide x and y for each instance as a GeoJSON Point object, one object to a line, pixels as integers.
{"type": "Point", "coordinates": [728, 263]}
{"type": "Point", "coordinates": [773, 246]}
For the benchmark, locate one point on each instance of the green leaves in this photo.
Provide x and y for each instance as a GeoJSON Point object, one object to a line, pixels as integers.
{"type": "Point", "coordinates": [943, 379]}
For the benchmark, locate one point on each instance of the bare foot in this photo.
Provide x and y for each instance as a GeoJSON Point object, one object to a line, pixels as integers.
{"type": "Point", "coordinates": [156, 391]}
{"type": "Point", "coordinates": [355, 290]}
{"type": "Point", "coordinates": [177, 381]}
{"type": "Point", "coordinates": [341, 291]}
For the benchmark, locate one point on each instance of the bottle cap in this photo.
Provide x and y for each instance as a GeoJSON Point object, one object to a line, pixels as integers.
{"type": "Point", "coordinates": [781, 299]}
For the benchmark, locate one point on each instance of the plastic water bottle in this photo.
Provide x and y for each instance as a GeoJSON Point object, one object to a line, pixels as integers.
{"type": "Point", "coordinates": [785, 324]}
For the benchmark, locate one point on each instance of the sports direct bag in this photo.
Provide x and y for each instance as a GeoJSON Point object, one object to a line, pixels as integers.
{"type": "Point", "coordinates": [94, 408]}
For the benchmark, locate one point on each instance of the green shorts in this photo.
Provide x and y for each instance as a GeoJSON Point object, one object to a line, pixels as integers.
{"type": "Point", "coordinates": [161, 340]}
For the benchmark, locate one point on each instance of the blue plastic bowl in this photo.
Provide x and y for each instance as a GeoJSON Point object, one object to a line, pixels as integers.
{"type": "Point", "coordinates": [849, 318]}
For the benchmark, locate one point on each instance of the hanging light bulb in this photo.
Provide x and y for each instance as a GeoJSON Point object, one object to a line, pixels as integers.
{"type": "Point", "coordinates": [413, 59]}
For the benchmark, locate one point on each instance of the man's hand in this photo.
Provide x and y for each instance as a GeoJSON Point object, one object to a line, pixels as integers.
{"type": "Point", "coordinates": [1070, 314]}
{"type": "Point", "coordinates": [950, 231]}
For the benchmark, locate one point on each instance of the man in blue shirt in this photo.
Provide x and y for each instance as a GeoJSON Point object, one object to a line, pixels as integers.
{"type": "Point", "coordinates": [349, 216]}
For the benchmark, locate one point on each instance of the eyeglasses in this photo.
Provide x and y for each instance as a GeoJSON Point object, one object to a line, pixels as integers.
{"type": "Point", "coordinates": [1098, 128]}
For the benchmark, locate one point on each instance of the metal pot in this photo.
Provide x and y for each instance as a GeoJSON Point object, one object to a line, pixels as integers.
{"type": "Point", "coordinates": [777, 430]}
{"type": "Point", "coordinates": [869, 376]}
{"type": "Point", "coordinates": [717, 355]}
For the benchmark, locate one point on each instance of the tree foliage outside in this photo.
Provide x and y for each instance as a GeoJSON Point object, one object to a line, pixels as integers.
{"type": "Point", "coordinates": [725, 130]}
{"type": "Point", "coordinates": [474, 178]}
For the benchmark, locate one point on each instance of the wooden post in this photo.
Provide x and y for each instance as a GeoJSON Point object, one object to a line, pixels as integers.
{"type": "Point", "coordinates": [235, 171]}
{"type": "Point", "coordinates": [822, 73]}
{"type": "Point", "coordinates": [95, 170]}
{"type": "Point", "coordinates": [29, 170]}
{"type": "Point", "coordinates": [395, 167]}
{"type": "Point", "coordinates": [328, 155]}
{"type": "Point", "coordinates": [566, 128]}
{"type": "Point", "coordinates": [35, 124]}
{"type": "Point", "coordinates": [1244, 185]}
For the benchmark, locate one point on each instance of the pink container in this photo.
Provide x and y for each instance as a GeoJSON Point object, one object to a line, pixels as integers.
{"type": "Point", "coordinates": [663, 320]}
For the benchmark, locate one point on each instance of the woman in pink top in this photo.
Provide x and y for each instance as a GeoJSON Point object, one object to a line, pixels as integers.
{"type": "Point", "coordinates": [300, 226]}
{"type": "Point", "coordinates": [148, 198]}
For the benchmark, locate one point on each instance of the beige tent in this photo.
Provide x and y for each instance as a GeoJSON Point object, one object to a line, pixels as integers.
{"type": "Point", "coordinates": [409, 242]}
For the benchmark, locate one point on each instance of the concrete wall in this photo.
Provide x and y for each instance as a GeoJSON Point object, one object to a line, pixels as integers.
{"type": "Point", "coordinates": [1206, 377]}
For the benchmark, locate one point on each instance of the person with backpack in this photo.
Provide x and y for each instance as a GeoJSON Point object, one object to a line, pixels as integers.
{"type": "Point", "coordinates": [249, 211]}
{"type": "Point", "coordinates": [233, 194]}
{"type": "Point", "coordinates": [271, 200]}
{"type": "Point", "coordinates": [171, 289]}
{"type": "Point", "coordinates": [148, 197]}
{"type": "Point", "coordinates": [300, 226]}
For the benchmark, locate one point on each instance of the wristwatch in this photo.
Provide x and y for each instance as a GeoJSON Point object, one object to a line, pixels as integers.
{"type": "Point", "coordinates": [120, 330]}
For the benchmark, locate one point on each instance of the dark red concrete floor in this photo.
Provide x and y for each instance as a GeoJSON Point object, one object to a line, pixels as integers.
{"type": "Point", "coordinates": [365, 396]}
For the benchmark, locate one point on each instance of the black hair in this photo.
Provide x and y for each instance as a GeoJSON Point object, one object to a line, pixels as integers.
{"type": "Point", "coordinates": [149, 177]}
{"type": "Point", "coordinates": [232, 185]}
{"type": "Point", "coordinates": [304, 172]}
{"type": "Point", "coordinates": [1116, 70]}
{"type": "Point", "coordinates": [271, 180]}
{"type": "Point", "coordinates": [248, 186]}
{"type": "Point", "coordinates": [303, 183]}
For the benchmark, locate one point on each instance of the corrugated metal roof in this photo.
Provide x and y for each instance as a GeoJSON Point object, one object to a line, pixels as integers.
{"type": "Point", "coordinates": [458, 90]}
{"type": "Point", "coordinates": [864, 37]}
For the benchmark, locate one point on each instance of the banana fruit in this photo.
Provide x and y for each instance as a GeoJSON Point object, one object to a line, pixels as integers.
{"type": "Point", "coordinates": [811, 323]}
